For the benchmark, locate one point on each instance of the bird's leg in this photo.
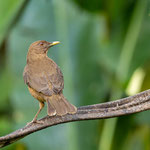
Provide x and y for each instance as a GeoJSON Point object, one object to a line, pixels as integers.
{"type": "Point", "coordinates": [41, 105]}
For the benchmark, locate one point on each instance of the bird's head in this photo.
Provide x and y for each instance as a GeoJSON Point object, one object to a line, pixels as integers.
{"type": "Point", "coordinates": [41, 47]}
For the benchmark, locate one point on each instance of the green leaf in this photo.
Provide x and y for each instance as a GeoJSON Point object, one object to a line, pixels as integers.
{"type": "Point", "coordinates": [8, 11]}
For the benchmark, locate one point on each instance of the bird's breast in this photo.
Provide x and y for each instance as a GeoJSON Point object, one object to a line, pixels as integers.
{"type": "Point", "coordinates": [37, 95]}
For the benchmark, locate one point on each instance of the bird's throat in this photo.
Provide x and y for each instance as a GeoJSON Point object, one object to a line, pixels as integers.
{"type": "Point", "coordinates": [32, 57]}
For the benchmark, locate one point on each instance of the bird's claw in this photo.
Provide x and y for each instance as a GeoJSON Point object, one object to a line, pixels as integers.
{"type": "Point", "coordinates": [35, 121]}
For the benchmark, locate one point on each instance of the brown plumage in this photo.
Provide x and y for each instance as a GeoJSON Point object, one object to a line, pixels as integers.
{"type": "Point", "coordinates": [45, 80]}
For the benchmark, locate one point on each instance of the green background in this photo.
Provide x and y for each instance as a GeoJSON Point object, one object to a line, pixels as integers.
{"type": "Point", "coordinates": [104, 55]}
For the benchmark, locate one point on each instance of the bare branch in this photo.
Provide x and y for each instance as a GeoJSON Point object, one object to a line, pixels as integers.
{"type": "Point", "coordinates": [133, 104]}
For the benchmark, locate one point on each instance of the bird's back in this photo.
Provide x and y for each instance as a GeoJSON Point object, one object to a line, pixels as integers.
{"type": "Point", "coordinates": [44, 76]}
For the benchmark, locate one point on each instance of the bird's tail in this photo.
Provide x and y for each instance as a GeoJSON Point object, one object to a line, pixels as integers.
{"type": "Point", "coordinates": [58, 105]}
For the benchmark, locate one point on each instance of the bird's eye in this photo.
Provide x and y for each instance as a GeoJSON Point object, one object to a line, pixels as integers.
{"type": "Point", "coordinates": [41, 43]}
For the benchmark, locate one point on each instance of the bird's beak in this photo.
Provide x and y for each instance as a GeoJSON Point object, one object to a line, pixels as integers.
{"type": "Point", "coordinates": [54, 43]}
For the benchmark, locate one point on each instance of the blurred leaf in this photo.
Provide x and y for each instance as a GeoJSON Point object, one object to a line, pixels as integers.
{"type": "Point", "coordinates": [5, 88]}
{"type": "Point", "coordinates": [8, 11]}
{"type": "Point", "coordinates": [5, 126]}
{"type": "Point", "coordinates": [137, 139]}
{"type": "Point", "coordinates": [95, 5]}
{"type": "Point", "coordinates": [123, 68]}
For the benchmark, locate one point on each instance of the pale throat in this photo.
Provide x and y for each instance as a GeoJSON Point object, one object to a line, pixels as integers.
{"type": "Point", "coordinates": [32, 57]}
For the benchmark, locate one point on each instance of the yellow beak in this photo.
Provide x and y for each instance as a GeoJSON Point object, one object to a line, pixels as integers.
{"type": "Point", "coordinates": [54, 43]}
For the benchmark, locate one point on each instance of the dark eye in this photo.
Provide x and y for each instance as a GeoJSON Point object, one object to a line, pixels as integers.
{"type": "Point", "coordinates": [41, 44]}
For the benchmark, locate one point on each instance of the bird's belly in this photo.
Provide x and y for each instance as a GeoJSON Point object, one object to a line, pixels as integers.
{"type": "Point", "coordinates": [37, 95]}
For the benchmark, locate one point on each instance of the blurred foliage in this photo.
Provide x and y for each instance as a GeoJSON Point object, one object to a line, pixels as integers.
{"type": "Point", "coordinates": [103, 44]}
{"type": "Point", "coordinates": [8, 11]}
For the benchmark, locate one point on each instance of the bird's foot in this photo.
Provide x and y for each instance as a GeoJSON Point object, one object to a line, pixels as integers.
{"type": "Point", "coordinates": [35, 121]}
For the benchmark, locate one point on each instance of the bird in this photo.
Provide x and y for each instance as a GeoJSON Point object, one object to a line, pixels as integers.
{"type": "Point", "coordinates": [45, 80]}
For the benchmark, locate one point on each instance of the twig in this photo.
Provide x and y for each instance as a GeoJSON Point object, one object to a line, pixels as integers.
{"type": "Point", "coordinates": [133, 104]}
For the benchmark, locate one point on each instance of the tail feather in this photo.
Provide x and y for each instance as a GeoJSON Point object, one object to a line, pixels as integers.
{"type": "Point", "coordinates": [50, 109]}
{"type": "Point", "coordinates": [70, 108]}
{"type": "Point", "coordinates": [61, 105]}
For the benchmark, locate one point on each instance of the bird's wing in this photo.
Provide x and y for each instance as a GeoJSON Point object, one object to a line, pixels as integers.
{"type": "Point", "coordinates": [43, 81]}
{"type": "Point", "coordinates": [56, 79]}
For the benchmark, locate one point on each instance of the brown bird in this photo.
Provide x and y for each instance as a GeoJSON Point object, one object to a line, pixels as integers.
{"type": "Point", "coordinates": [45, 80]}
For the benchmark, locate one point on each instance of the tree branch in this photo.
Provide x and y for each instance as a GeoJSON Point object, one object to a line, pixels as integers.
{"type": "Point", "coordinates": [133, 104]}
